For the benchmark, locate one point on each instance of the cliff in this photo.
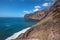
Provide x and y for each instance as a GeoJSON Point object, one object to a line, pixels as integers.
{"type": "Point", "coordinates": [48, 28]}
{"type": "Point", "coordinates": [38, 15]}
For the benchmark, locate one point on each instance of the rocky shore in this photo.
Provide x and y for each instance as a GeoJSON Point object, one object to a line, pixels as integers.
{"type": "Point", "coordinates": [49, 26]}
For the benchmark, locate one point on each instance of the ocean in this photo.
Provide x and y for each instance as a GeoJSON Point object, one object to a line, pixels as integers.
{"type": "Point", "coordinates": [11, 25]}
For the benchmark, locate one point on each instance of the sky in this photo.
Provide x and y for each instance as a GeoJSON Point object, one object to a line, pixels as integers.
{"type": "Point", "coordinates": [18, 8]}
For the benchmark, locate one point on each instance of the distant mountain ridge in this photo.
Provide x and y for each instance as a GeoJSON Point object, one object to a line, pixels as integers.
{"type": "Point", "coordinates": [38, 15]}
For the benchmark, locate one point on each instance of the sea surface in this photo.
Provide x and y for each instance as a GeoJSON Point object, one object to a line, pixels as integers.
{"type": "Point", "coordinates": [11, 25]}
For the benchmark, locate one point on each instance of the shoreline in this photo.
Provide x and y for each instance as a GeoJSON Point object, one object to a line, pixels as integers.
{"type": "Point", "coordinates": [15, 35]}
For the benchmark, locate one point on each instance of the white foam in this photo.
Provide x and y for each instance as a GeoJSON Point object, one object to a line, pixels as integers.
{"type": "Point", "coordinates": [14, 36]}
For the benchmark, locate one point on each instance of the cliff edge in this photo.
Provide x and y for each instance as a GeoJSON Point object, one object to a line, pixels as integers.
{"type": "Point", "coordinates": [48, 28]}
{"type": "Point", "coordinates": [38, 15]}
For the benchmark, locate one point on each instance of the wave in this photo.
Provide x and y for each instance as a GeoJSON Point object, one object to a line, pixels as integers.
{"type": "Point", "coordinates": [15, 35]}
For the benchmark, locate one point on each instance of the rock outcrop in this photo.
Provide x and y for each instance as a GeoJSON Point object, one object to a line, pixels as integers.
{"type": "Point", "coordinates": [38, 15]}
{"type": "Point", "coordinates": [48, 28]}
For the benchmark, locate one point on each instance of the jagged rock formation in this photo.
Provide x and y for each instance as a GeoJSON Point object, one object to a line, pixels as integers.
{"type": "Point", "coordinates": [38, 15]}
{"type": "Point", "coordinates": [47, 29]}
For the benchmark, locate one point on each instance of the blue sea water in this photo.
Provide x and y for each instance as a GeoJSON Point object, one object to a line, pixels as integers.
{"type": "Point", "coordinates": [9, 26]}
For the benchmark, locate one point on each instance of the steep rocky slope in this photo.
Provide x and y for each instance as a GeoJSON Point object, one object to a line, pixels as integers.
{"type": "Point", "coordinates": [47, 29]}
{"type": "Point", "coordinates": [38, 15]}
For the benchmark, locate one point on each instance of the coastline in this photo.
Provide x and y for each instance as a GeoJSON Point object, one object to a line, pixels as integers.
{"type": "Point", "coordinates": [15, 35]}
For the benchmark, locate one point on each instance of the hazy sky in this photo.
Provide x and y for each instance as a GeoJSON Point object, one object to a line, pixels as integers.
{"type": "Point", "coordinates": [18, 8]}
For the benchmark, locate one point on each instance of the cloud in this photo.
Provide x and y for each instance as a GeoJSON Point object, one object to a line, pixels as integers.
{"type": "Point", "coordinates": [25, 11]}
{"type": "Point", "coordinates": [49, 2]}
{"type": "Point", "coordinates": [37, 8]}
{"type": "Point", "coordinates": [45, 4]}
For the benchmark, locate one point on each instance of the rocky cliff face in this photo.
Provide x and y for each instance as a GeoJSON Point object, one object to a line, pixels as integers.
{"type": "Point", "coordinates": [38, 15]}
{"type": "Point", "coordinates": [48, 28]}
